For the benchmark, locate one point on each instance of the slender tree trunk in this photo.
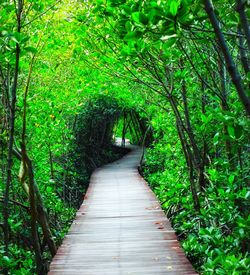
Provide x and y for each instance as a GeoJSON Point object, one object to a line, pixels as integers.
{"type": "Point", "coordinates": [103, 133]}
{"type": "Point", "coordinates": [187, 154]}
{"type": "Point", "coordinates": [37, 208]}
{"type": "Point", "coordinates": [32, 200]}
{"type": "Point", "coordinates": [11, 137]}
{"type": "Point", "coordinates": [198, 163]}
{"type": "Point", "coordinates": [204, 102]}
{"type": "Point", "coordinates": [143, 127]}
{"type": "Point", "coordinates": [28, 172]}
{"type": "Point", "coordinates": [189, 128]}
{"type": "Point", "coordinates": [240, 8]}
{"type": "Point", "coordinates": [43, 220]}
{"type": "Point", "coordinates": [144, 144]}
{"type": "Point", "coordinates": [231, 66]}
{"type": "Point", "coordinates": [224, 107]}
{"type": "Point", "coordinates": [243, 52]}
{"type": "Point", "coordinates": [183, 143]}
{"type": "Point", "coordinates": [124, 130]}
{"type": "Point", "coordinates": [134, 122]}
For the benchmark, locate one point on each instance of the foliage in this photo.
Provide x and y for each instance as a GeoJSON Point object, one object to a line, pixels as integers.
{"type": "Point", "coordinates": [94, 135]}
{"type": "Point", "coordinates": [215, 238]}
{"type": "Point", "coordinates": [73, 73]}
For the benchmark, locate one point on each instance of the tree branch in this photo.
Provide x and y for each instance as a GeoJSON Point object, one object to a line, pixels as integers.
{"type": "Point", "coordinates": [231, 66]}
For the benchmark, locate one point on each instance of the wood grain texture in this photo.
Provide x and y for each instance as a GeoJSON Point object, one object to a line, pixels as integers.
{"type": "Point", "coordinates": [120, 229]}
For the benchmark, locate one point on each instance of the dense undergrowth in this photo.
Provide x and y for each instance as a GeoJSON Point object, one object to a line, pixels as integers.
{"type": "Point", "coordinates": [216, 238]}
{"type": "Point", "coordinates": [63, 182]}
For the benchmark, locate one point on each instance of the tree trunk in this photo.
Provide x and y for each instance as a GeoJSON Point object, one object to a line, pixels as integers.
{"type": "Point", "coordinates": [188, 157]}
{"type": "Point", "coordinates": [224, 107]}
{"type": "Point", "coordinates": [240, 8]}
{"type": "Point", "coordinates": [32, 199]}
{"type": "Point", "coordinates": [11, 138]}
{"type": "Point", "coordinates": [231, 66]}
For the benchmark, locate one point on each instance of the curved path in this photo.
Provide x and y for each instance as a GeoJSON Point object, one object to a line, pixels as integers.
{"type": "Point", "coordinates": [120, 229]}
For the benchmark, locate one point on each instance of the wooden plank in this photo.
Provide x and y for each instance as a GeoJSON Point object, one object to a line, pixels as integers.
{"type": "Point", "coordinates": [120, 228]}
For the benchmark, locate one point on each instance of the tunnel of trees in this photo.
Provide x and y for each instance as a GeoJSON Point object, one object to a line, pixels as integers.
{"type": "Point", "coordinates": [99, 121]}
{"type": "Point", "coordinates": [170, 75]}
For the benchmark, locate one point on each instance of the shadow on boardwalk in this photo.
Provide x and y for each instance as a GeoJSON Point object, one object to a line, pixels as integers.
{"type": "Point", "coordinates": [120, 228]}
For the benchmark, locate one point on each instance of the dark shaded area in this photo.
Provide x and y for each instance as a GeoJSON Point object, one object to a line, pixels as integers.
{"type": "Point", "coordinates": [138, 127]}
{"type": "Point", "coordinates": [93, 138]}
{"type": "Point", "coordinates": [94, 142]}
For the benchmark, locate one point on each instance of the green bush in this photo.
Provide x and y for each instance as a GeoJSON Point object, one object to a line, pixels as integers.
{"type": "Point", "coordinates": [216, 239]}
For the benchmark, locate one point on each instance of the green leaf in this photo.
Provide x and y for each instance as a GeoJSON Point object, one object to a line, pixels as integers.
{"type": "Point", "coordinates": [49, 189]}
{"type": "Point", "coordinates": [169, 43]}
{"type": "Point", "coordinates": [132, 35]}
{"type": "Point", "coordinates": [231, 179]}
{"type": "Point", "coordinates": [247, 195]}
{"type": "Point", "coordinates": [241, 232]}
{"type": "Point", "coordinates": [6, 261]}
{"type": "Point", "coordinates": [18, 37]}
{"type": "Point", "coordinates": [248, 76]}
{"type": "Point", "coordinates": [116, 3]}
{"type": "Point", "coordinates": [238, 131]}
{"type": "Point", "coordinates": [128, 26]}
{"type": "Point", "coordinates": [155, 16]}
{"type": "Point", "coordinates": [216, 138]}
{"type": "Point", "coordinates": [15, 39]}
{"type": "Point", "coordinates": [140, 18]}
{"type": "Point", "coordinates": [174, 5]}
{"type": "Point", "coordinates": [231, 131]}
{"type": "Point", "coordinates": [127, 10]}
{"type": "Point", "coordinates": [30, 50]}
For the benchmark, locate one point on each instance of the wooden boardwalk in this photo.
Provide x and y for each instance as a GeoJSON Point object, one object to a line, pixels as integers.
{"type": "Point", "coordinates": [120, 229]}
